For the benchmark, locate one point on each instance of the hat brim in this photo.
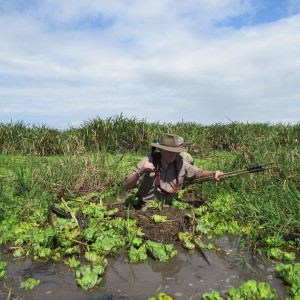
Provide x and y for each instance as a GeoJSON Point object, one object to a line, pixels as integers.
{"type": "Point", "coordinates": [168, 148]}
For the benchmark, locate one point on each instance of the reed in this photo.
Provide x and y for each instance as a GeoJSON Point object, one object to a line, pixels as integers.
{"type": "Point", "coordinates": [39, 163]}
{"type": "Point", "coordinates": [121, 134]}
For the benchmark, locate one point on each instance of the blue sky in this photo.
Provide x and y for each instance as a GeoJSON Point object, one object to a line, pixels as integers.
{"type": "Point", "coordinates": [63, 63]}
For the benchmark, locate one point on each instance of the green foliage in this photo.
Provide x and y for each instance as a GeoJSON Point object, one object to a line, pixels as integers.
{"type": "Point", "coordinates": [252, 290]}
{"type": "Point", "coordinates": [199, 242]}
{"type": "Point", "coordinates": [156, 204]}
{"type": "Point", "coordinates": [161, 296]}
{"type": "Point", "coordinates": [218, 219]}
{"type": "Point", "coordinates": [46, 164]}
{"type": "Point", "coordinates": [180, 204]}
{"type": "Point", "coordinates": [137, 254]}
{"type": "Point", "coordinates": [290, 273]}
{"type": "Point", "coordinates": [159, 219]}
{"type": "Point", "coordinates": [162, 252]}
{"type": "Point", "coordinates": [29, 284]}
{"type": "Point", "coordinates": [214, 295]}
{"type": "Point", "coordinates": [72, 262]}
{"type": "Point", "coordinates": [26, 139]}
{"type": "Point", "coordinates": [87, 276]}
{"type": "Point", "coordinates": [279, 254]}
{"type": "Point", "coordinates": [159, 251]}
{"type": "Point", "coordinates": [3, 265]}
{"type": "Point", "coordinates": [131, 200]}
{"type": "Point", "coordinates": [186, 239]}
{"type": "Point", "coordinates": [121, 134]}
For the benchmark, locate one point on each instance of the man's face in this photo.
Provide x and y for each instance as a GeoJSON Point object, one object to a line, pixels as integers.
{"type": "Point", "coordinates": [168, 156]}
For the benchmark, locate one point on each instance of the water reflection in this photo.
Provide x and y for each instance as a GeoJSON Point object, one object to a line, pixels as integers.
{"type": "Point", "coordinates": [185, 276]}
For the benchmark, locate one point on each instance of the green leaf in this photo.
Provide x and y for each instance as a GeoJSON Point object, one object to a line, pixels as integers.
{"type": "Point", "coordinates": [137, 254]}
{"type": "Point", "coordinates": [72, 262]}
{"type": "Point", "coordinates": [3, 265]}
{"type": "Point", "coordinates": [159, 218]}
{"type": "Point", "coordinates": [289, 273]}
{"type": "Point", "coordinates": [290, 256]}
{"type": "Point", "coordinates": [212, 296]}
{"type": "Point", "coordinates": [160, 251]}
{"type": "Point", "coordinates": [29, 284]}
{"type": "Point", "coordinates": [91, 256]}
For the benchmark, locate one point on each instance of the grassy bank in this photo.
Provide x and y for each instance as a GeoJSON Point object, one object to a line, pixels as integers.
{"type": "Point", "coordinates": [41, 165]}
{"type": "Point", "coordinates": [38, 163]}
{"type": "Point", "coordinates": [266, 207]}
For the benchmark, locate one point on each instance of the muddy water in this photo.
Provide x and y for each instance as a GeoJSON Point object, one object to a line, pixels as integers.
{"type": "Point", "coordinates": [186, 276]}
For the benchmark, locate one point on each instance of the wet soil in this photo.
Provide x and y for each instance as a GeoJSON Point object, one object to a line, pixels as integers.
{"type": "Point", "coordinates": [165, 232]}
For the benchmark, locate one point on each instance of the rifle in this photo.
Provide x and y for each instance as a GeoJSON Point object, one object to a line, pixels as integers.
{"type": "Point", "coordinates": [255, 169]}
{"type": "Point", "coordinates": [152, 151]}
{"type": "Point", "coordinates": [151, 155]}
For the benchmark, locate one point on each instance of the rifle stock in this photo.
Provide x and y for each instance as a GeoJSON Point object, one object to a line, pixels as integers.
{"type": "Point", "coordinates": [255, 169]}
{"type": "Point", "coordinates": [151, 155]}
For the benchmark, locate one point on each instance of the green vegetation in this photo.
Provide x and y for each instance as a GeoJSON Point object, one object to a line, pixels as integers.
{"type": "Point", "coordinates": [3, 265]}
{"type": "Point", "coordinates": [248, 290]}
{"type": "Point", "coordinates": [83, 169]}
{"type": "Point", "coordinates": [29, 283]}
{"type": "Point", "coordinates": [291, 275]}
{"type": "Point", "coordinates": [161, 296]}
{"type": "Point", "coordinates": [262, 291]}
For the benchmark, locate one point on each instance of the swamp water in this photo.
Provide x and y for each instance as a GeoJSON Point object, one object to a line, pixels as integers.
{"type": "Point", "coordinates": [185, 276]}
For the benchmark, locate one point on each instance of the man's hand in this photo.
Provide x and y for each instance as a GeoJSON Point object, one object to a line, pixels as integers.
{"type": "Point", "coordinates": [147, 166]}
{"type": "Point", "coordinates": [217, 175]}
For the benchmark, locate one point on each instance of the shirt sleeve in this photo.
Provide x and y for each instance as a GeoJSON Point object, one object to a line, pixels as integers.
{"type": "Point", "coordinates": [137, 168]}
{"type": "Point", "coordinates": [192, 172]}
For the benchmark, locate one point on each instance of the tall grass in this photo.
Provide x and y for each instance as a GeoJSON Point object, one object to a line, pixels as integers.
{"type": "Point", "coordinates": [30, 184]}
{"type": "Point", "coordinates": [253, 143]}
{"type": "Point", "coordinates": [47, 162]}
{"type": "Point", "coordinates": [120, 134]}
{"type": "Point", "coordinates": [33, 140]}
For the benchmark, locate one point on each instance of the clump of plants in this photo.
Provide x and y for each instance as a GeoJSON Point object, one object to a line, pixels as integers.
{"type": "Point", "coordinates": [86, 249]}
{"type": "Point", "coordinates": [29, 284]}
{"type": "Point", "coordinates": [161, 296]}
{"type": "Point", "coordinates": [3, 265]}
{"type": "Point", "coordinates": [248, 290]}
{"type": "Point", "coordinates": [290, 273]}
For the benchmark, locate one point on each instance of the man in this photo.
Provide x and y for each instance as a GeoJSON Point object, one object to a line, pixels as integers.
{"type": "Point", "coordinates": [162, 176]}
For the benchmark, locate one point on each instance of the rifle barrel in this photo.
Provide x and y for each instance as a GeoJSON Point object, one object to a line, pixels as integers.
{"type": "Point", "coordinates": [255, 169]}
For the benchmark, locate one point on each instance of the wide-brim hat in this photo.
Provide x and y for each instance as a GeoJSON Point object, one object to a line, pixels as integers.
{"type": "Point", "coordinates": [170, 142]}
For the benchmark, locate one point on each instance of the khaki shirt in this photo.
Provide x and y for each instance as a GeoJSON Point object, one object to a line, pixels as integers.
{"type": "Point", "coordinates": [148, 190]}
{"type": "Point", "coordinates": [186, 156]}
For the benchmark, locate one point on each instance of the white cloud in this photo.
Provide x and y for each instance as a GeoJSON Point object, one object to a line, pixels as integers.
{"type": "Point", "coordinates": [164, 61]}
